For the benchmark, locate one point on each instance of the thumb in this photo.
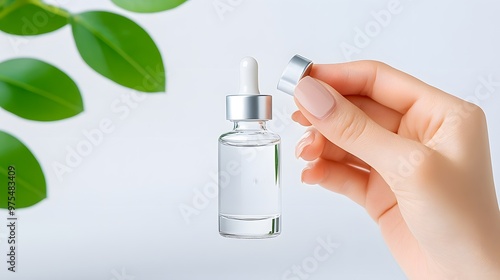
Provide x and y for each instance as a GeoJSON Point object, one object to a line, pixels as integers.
{"type": "Point", "coordinates": [350, 128]}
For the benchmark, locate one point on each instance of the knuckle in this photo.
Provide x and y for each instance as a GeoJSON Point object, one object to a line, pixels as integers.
{"type": "Point", "coordinates": [373, 64]}
{"type": "Point", "coordinates": [478, 113]}
{"type": "Point", "coordinates": [351, 127]}
{"type": "Point", "coordinates": [473, 113]}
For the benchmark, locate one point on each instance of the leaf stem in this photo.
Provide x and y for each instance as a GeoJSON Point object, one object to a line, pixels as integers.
{"type": "Point", "coordinates": [12, 7]}
{"type": "Point", "coordinates": [49, 8]}
{"type": "Point", "coordinates": [53, 9]}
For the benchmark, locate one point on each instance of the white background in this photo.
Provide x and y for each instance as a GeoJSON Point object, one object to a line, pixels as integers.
{"type": "Point", "coordinates": [116, 215]}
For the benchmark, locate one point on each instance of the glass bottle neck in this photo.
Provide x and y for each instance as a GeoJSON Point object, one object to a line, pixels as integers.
{"type": "Point", "coordinates": [249, 125]}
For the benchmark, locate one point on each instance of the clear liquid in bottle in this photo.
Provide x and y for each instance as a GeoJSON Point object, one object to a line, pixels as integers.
{"type": "Point", "coordinates": [249, 190]}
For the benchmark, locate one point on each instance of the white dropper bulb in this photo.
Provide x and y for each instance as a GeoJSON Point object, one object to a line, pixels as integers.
{"type": "Point", "coordinates": [249, 76]}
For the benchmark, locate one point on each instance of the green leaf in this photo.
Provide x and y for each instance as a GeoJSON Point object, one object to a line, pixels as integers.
{"type": "Point", "coordinates": [35, 90]}
{"type": "Point", "coordinates": [4, 3]}
{"type": "Point", "coordinates": [148, 6]}
{"type": "Point", "coordinates": [31, 17]}
{"type": "Point", "coordinates": [120, 50]}
{"type": "Point", "coordinates": [28, 177]}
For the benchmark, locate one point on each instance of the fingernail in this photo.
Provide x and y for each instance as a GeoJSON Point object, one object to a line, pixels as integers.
{"type": "Point", "coordinates": [302, 174]}
{"type": "Point", "coordinates": [304, 171]}
{"type": "Point", "coordinates": [304, 141]}
{"type": "Point", "coordinates": [315, 98]}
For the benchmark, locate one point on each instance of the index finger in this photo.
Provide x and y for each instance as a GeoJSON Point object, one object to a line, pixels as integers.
{"type": "Point", "coordinates": [382, 83]}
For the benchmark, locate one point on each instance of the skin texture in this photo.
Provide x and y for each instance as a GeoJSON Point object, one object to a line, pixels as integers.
{"type": "Point", "coordinates": [416, 158]}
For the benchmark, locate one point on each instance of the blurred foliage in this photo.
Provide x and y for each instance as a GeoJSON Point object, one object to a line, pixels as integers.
{"type": "Point", "coordinates": [148, 6]}
{"type": "Point", "coordinates": [112, 45]}
{"type": "Point", "coordinates": [27, 177]}
{"type": "Point", "coordinates": [129, 58]}
{"type": "Point", "coordinates": [35, 90]}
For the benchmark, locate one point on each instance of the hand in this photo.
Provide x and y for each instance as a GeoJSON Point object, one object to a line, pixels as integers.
{"type": "Point", "coordinates": [414, 156]}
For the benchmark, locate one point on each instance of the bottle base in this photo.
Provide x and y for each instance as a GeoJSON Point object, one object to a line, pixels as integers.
{"type": "Point", "coordinates": [249, 227]}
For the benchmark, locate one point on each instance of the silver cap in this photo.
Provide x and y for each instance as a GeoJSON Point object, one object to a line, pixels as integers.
{"type": "Point", "coordinates": [297, 68]}
{"type": "Point", "coordinates": [249, 104]}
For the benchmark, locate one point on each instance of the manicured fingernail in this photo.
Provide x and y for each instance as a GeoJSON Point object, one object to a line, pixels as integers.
{"type": "Point", "coordinates": [315, 98]}
{"type": "Point", "coordinates": [304, 174]}
{"type": "Point", "coordinates": [304, 141]}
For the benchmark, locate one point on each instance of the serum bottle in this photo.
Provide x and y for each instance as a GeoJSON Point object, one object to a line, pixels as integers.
{"type": "Point", "coordinates": [249, 163]}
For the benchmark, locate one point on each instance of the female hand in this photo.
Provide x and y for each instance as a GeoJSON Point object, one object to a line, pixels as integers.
{"type": "Point", "coordinates": [414, 156]}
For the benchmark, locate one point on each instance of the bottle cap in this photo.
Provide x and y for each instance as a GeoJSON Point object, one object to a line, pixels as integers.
{"type": "Point", "coordinates": [297, 68]}
{"type": "Point", "coordinates": [249, 104]}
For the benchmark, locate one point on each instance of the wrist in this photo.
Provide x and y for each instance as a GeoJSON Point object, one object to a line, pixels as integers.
{"type": "Point", "coordinates": [488, 261]}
